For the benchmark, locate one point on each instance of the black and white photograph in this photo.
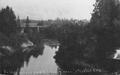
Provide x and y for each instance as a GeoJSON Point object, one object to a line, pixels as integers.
{"type": "Point", "coordinates": [59, 37]}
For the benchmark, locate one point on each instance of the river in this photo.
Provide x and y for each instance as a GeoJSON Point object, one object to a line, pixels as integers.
{"type": "Point", "coordinates": [43, 64]}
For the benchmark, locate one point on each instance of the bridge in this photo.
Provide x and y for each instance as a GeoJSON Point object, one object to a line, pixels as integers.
{"type": "Point", "coordinates": [34, 28]}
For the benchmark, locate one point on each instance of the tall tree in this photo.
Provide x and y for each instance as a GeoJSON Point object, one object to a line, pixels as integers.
{"type": "Point", "coordinates": [104, 27]}
{"type": "Point", "coordinates": [7, 21]}
{"type": "Point", "coordinates": [27, 21]}
{"type": "Point", "coordinates": [18, 21]}
{"type": "Point", "coordinates": [104, 13]}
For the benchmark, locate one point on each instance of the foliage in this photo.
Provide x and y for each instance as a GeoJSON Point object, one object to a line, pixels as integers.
{"type": "Point", "coordinates": [12, 60]}
{"type": "Point", "coordinates": [103, 26]}
{"type": "Point", "coordinates": [104, 13]}
{"type": "Point", "coordinates": [93, 43]}
{"type": "Point", "coordinates": [7, 21]}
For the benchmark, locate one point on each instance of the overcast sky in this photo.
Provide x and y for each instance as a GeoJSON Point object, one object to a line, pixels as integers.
{"type": "Point", "coordinates": [51, 9]}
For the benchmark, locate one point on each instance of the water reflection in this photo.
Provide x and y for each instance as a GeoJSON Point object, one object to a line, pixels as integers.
{"type": "Point", "coordinates": [41, 64]}
{"type": "Point", "coordinates": [38, 60]}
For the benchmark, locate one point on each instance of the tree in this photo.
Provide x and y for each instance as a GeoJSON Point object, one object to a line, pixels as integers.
{"type": "Point", "coordinates": [41, 23]}
{"type": "Point", "coordinates": [104, 13]}
{"type": "Point", "coordinates": [27, 22]}
{"type": "Point", "coordinates": [8, 23]}
{"type": "Point", "coordinates": [18, 22]}
{"type": "Point", "coordinates": [104, 26]}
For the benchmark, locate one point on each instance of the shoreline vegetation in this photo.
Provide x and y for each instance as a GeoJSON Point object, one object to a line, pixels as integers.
{"type": "Point", "coordinates": [83, 45]}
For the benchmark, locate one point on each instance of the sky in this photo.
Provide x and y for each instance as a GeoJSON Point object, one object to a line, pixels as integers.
{"type": "Point", "coordinates": [51, 9]}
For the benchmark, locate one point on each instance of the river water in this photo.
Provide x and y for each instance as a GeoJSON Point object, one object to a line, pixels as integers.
{"type": "Point", "coordinates": [43, 64]}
